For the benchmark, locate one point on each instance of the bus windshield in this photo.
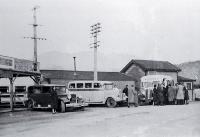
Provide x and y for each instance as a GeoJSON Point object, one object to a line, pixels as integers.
{"type": "Point", "coordinates": [108, 86]}
{"type": "Point", "coordinates": [149, 84]}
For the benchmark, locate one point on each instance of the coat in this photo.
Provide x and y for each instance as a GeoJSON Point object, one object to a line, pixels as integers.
{"type": "Point", "coordinates": [160, 94]}
{"type": "Point", "coordinates": [54, 100]}
{"type": "Point", "coordinates": [180, 92]}
{"type": "Point", "coordinates": [186, 96]}
{"type": "Point", "coordinates": [135, 93]}
{"type": "Point", "coordinates": [171, 93]}
{"type": "Point", "coordinates": [155, 95]}
{"type": "Point", "coordinates": [130, 95]}
{"type": "Point", "coordinates": [125, 91]}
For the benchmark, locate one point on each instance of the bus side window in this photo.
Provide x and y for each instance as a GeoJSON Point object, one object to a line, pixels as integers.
{"type": "Point", "coordinates": [88, 85]}
{"type": "Point", "coordinates": [72, 85]}
{"type": "Point", "coordinates": [79, 85]}
{"type": "Point", "coordinates": [20, 89]}
{"type": "Point", "coordinates": [4, 89]}
{"type": "Point", "coordinates": [97, 85]}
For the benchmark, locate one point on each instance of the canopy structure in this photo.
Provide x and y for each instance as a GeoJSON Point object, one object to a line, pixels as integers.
{"type": "Point", "coordinates": [12, 68]}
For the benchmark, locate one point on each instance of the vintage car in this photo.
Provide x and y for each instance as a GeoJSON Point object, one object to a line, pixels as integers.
{"type": "Point", "coordinates": [39, 96]}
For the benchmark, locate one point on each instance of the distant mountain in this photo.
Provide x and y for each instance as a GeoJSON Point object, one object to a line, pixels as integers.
{"type": "Point", "coordinates": [84, 61]}
{"type": "Point", "coordinates": [191, 70]}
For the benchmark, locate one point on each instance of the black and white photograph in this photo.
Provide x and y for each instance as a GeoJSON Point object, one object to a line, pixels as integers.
{"type": "Point", "coordinates": [99, 68]}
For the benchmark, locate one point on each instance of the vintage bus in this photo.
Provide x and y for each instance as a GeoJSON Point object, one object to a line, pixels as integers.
{"type": "Point", "coordinates": [148, 82]}
{"type": "Point", "coordinates": [19, 97]}
{"type": "Point", "coordinates": [98, 92]}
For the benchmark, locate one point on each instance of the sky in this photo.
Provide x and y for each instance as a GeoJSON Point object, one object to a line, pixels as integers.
{"type": "Point", "coordinates": [145, 29]}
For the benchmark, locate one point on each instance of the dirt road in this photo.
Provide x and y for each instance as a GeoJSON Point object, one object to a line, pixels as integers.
{"type": "Point", "coordinates": [144, 121]}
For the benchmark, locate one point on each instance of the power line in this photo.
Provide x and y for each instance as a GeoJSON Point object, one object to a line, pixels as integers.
{"type": "Point", "coordinates": [95, 29]}
{"type": "Point", "coordinates": [35, 38]}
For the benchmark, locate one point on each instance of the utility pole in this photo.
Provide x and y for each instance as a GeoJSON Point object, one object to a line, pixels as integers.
{"type": "Point", "coordinates": [75, 68]}
{"type": "Point", "coordinates": [35, 38]}
{"type": "Point", "coordinates": [95, 29]}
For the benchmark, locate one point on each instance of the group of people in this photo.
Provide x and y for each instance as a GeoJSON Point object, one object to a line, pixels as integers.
{"type": "Point", "coordinates": [162, 95]}
{"type": "Point", "coordinates": [170, 95]}
{"type": "Point", "coordinates": [132, 95]}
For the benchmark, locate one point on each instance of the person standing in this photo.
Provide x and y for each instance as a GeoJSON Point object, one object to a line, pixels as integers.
{"type": "Point", "coordinates": [171, 94]}
{"type": "Point", "coordinates": [54, 101]}
{"type": "Point", "coordinates": [131, 96]}
{"type": "Point", "coordinates": [180, 95]}
{"type": "Point", "coordinates": [160, 94]}
{"type": "Point", "coordinates": [186, 96]}
{"type": "Point", "coordinates": [125, 91]}
{"type": "Point", "coordinates": [135, 94]}
{"type": "Point", "coordinates": [155, 95]}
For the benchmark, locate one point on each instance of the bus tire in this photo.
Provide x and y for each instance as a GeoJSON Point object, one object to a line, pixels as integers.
{"type": "Point", "coordinates": [30, 104]}
{"type": "Point", "coordinates": [111, 103]}
{"type": "Point", "coordinates": [62, 107]}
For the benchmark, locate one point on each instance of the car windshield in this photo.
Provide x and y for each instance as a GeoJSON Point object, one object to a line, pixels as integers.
{"type": "Point", "coordinates": [60, 90]}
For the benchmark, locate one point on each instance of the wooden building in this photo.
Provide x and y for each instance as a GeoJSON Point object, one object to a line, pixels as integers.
{"type": "Point", "coordinates": [140, 68]}
{"type": "Point", "coordinates": [189, 84]}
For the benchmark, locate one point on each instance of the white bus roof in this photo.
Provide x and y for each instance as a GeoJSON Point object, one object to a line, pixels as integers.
{"type": "Point", "coordinates": [82, 81]}
{"type": "Point", "coordinates": [151, 78]}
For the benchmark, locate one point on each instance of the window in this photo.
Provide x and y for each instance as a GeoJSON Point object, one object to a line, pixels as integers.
{"type": "Point", "coordinates": [46, 89]}
{"type": "Point", "coordinates": [79, 85]}
{"type": "Point", "coordinates": [189, 86]}
{"type": "Point", "coordinates": [72, 85]}
{"type": "Point", "coordinates": [97, 85]}
{"type": "Point", "coordinates": [88, 85]}
{"type": "Point", "coordinates": [108, 86]}
{"type": "Point", "coordinates": [20, 89]}
{"type": "Point", "coordinates": [60, 90]}
{"type": "Point", "coordinates": [36, 90]}
{"type": "Point", "coordinates": [4, 89]}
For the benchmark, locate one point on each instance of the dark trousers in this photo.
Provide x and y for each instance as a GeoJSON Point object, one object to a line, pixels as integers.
{"type": "Point", "coordinates": [180, 101]}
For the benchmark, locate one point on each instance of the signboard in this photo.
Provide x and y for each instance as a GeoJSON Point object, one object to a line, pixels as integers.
{"type": "Point", "coordinates": [16, 64]}
{"type": "Point", "coordinates": [6, 62]}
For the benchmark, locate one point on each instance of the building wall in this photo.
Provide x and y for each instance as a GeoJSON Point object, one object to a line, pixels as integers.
{"type": "Point", "coordinates": [189, 86]}
{"type": "Point", "coordinates": [136, 72]}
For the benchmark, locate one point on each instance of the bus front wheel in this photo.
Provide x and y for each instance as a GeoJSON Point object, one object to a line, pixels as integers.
{"type": "Point", "coordinates": [111, 103]}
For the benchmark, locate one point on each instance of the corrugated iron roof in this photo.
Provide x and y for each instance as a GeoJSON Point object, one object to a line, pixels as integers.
{"type": "Point", "coordinates": [184, 79]}
{"type": "Point", "coordinates": [151, 65]}
{"type": "Point", "coordinates": [85, 75]}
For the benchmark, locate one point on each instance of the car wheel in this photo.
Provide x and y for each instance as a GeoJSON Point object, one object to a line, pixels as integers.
{"type": "Point", "coordinates": [30, 104]}
{"type": "Point", "coordinates": [62, 107]}
{"type": "Point", "coordinates": [111, 103]}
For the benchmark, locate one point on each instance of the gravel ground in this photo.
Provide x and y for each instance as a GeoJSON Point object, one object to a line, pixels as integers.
{"type": "Point", "coordinates": [143, 121]}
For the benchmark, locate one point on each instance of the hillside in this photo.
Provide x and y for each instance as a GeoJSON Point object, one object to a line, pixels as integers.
{"type": "Point", "coordinates": [191, 70]}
